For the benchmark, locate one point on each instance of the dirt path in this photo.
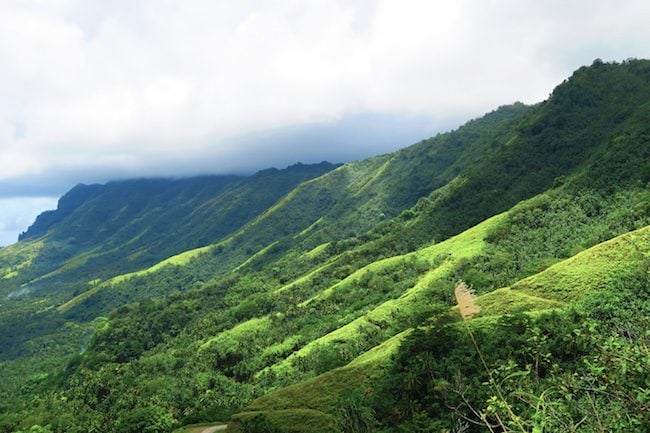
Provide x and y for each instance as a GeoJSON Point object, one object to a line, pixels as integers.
{"type": "Point", "coordinates": [214, 428]}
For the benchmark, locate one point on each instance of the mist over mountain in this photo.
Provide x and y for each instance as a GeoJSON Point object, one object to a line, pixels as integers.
{"type": "Point", "coordinates": [352, 137]}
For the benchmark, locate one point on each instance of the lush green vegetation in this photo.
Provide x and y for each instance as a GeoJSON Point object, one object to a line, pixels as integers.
{"type": "Point", "coordinates": [101, 231]}
{"type": "Point", "coordinates": [320, 299]}
{"type": "Point", "coordinates": [555, 369]}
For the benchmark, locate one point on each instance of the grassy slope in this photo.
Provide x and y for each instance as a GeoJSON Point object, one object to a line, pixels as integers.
{"type": "Point", "coordinates": [127, 225]}
{"type": "Point", "coordinates": [355, 196]}
{"type": "Point", "coordinates": [393, 313]}
{"type": "Point", "coordinates": [588, 272]}
{"type": "Point", "coordinates": [444, 260]}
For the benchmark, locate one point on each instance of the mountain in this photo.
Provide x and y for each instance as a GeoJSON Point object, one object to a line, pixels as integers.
{"type": "Point", "coordinates": [139, 221]}
{"type": "Point", "coordinates": [100, 231]}
{"type": "Point", "coordinates": [322, 298]}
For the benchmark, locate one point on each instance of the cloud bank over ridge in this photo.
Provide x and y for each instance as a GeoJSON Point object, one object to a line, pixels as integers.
{"type": "Point", "coordinates": [94, 90]}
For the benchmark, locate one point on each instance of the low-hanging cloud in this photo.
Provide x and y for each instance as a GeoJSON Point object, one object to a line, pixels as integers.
{"type": "Point", "coordinates": [91, 90]}
{"type": "Point", "coordinates": [122, 84]}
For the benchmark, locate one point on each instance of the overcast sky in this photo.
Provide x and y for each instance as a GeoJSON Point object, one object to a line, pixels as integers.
{"type": "Point", "coordinates": [94, 90]}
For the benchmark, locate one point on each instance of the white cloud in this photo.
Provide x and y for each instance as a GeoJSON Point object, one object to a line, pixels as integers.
{"type": "Point", "coordinates": [127, 86]}
{"type": "Point", "coordinates": [91, 89]}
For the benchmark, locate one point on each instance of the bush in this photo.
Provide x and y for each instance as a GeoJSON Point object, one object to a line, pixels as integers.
{"type": "Point", "coordinates": [259, 424]}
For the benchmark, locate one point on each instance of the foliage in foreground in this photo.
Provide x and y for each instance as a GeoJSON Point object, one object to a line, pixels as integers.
{"type": "Point", "coordinates": [582, 367]}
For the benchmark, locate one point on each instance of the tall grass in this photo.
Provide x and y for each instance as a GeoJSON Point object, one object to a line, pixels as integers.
{"type": "Point", "coordinates": [466, 301]}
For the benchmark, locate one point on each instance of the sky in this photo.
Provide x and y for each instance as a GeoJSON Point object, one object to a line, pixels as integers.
{"type": "Point", "coordinates": [93, 90]}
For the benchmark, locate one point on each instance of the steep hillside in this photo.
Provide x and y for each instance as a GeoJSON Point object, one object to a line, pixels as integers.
{"type": "Point", "coordinates": [600, 280]}
{"type": "Point", "coordinates": [100, 231]}
{"type": "Point", "coordinates": [107, 229]}
{"type": "Point", "coordinates": [339, 271]}
{"type": "Point", "coordinates": [239, 337]}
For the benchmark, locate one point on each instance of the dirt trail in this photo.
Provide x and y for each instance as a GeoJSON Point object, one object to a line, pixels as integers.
{"type": "Point", "coordinates": [214, 428]}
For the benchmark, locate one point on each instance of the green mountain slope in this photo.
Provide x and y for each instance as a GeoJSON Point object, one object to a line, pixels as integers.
{"type": "Point", "coordinates": [608, 272]}
{"type": "Point", "coordinates": [126, 225]}
{"type": "Point", "coordinates": [339, 272]}
{"type": "Point", "coordinates": [100, 231]}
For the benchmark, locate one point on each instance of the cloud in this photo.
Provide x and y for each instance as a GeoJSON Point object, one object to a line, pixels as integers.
{"type": "Point", "coordinates": [121, 83]}
{"type": "Point", "coordinates": [91, 90]}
